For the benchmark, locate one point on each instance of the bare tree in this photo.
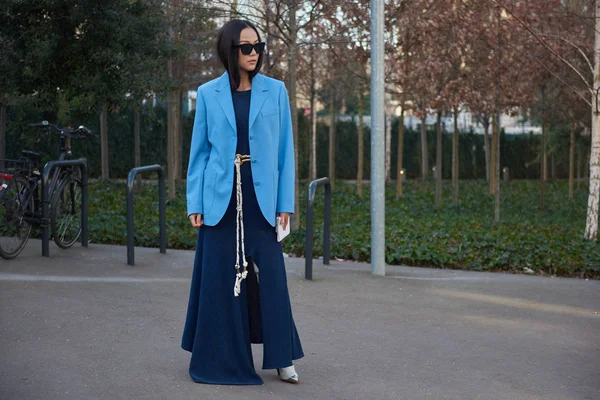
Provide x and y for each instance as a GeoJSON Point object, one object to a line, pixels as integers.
{"type": "Point", "coordinates": [573, 47]}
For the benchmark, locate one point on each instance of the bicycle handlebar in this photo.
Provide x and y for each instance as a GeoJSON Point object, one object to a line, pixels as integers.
{"type": "Point", "coordinates": [74, 133]}
{"type": "Point", "coordinates": [43, 123]}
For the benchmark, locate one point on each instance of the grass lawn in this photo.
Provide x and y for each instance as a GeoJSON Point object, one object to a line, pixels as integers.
{"type": "Point", "coordinates": [549, 242]}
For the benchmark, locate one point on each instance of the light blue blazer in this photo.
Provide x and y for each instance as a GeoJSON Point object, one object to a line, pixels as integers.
{"type": "Point", "coordinates": [214, 139]}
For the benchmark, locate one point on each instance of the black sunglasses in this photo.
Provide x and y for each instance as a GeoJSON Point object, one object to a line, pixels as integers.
{"type": "Point", "coordinates": [247, 48]}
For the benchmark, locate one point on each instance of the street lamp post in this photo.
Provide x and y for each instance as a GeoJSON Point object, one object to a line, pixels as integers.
{"type": "Point", "coordinates": [377, 140]}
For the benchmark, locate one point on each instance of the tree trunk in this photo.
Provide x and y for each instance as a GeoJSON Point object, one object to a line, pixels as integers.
{"type": "Point", "coordinates": [475, 171]}
{"type": "Point", "coordinates": [572, 162]}
{"type": "Point", "coordinates": [104, 144]}
{"type": "Point", "coordinates": [591, 226]}
{"type": "Point", "coordinates": [233, 12]}
{"type": "Point", "coordinates": [172, 72]}
{"type": "Point", "coordinates": [292, 72]}
{"type": "Point", "coordinates": [498, 124]}
{"type": "Point", "coordinates": [388, 139]}
{"type": "Point", "coordinates": [171, 126]}
{"type": "Point", "coordinates": [361, 145]}
{"type": "Point", "coordinates": [2, 134]}
{"type": "Point", "coordinates": [313, 119]}
{"type": "Point", "coordinates": [493, 148]}
{"type": "Point", "coordinates": [332, 141]}
{"type": "Point", "coordinates": [579, 177]}
{"type": "Point", "coordinates": [543, 166]}
{"type": "Point", "coordinates": [497, 178]}
{"type": "Point", "coordinates": [424, 152]}
{"type": "Point", "coordinates": [486, 147]}
{"type": "Point", "coordinates": [176, 115]}
{"type": "Point", "coordinates": [266, 67]}
{"type": "Point", "coordinates": [455, 159]}
{"type": "Point", "coordinates": [137, 146]}
{"type": "Point", "coordinates": [586, 167]}
{"type": "Point", "coordinates": [399, 175]}
{"type": "Point", "coordinates": [313, 138]}
{"type": "Point", "coordinates": [438, 163]}
{"type": "Point", "coordinates": [179, 139]}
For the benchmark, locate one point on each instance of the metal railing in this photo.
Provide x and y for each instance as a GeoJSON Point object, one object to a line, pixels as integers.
{"type": "Point", "coordinates": [161, 209]}
{"type": "Point", "coordinates": [82, 164]}
{"type": "Point", "coordinates": [308, 249]}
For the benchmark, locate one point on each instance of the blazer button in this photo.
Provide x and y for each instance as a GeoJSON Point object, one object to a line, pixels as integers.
{"type": "Point", "coordinates": [253, 161]}
{"type": "Point", "coordinates": [257, 184]}
{"type": "Point", "coordinates": [251, 137]}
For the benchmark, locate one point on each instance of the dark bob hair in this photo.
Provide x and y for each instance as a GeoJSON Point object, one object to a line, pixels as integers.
{"type": "Point", "coordinates": [229, 36]}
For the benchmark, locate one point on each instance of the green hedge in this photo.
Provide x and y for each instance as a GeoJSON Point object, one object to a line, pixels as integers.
{"type": "Point", "coordinates": [549, 243]}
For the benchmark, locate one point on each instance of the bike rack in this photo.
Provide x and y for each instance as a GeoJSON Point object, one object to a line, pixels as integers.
{"type": "Point", "coordinates": [82, 164]}
{"type": "Point", "coordinates": [161, 209]}
{"type": "Point", "coordinates": [308, 252]}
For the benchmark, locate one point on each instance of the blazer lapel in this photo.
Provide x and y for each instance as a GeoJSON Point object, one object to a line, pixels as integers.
{"type": "Point", "coordinates": [223, 97]}
{"type": "Point", "coordinates": [257, 97]}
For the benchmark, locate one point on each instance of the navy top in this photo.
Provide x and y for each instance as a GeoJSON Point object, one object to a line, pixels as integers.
{"type": "Point", "coordinates": [241, 106]}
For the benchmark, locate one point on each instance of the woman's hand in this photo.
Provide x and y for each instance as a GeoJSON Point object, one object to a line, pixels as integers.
{"type": "Point", "coordinates": [284, 219]}
{"type": "Point", "coordinates": [196, 220]}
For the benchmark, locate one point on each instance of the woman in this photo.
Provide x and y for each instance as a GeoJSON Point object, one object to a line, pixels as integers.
{"type": "Point", "coordinates": [240, 177]}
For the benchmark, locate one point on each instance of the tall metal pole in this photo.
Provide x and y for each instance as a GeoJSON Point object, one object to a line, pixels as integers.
{"type": "Point", "coordinates": [377, 140]}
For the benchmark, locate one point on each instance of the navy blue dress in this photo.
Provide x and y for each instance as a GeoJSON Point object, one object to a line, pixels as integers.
{"type": "Point", "coordinates": [219, 327]}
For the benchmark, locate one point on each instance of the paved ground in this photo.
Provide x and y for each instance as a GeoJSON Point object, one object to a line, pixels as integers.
{"type": "Point", "coordinates": [84, 325]}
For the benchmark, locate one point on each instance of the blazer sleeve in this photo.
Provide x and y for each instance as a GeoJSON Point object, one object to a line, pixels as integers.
{"type": "Point", "coordinates": [199, 152]}
{"type": "Point", "coordinates": [286, 163]}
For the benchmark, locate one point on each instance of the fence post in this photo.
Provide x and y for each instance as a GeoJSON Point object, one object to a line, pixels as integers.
{"type": "Point", "coordinates": [308, 248]}
{"type": "Point", "coordinates": [161, 209]}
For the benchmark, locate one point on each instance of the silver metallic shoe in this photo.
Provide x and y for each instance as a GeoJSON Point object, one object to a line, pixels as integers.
{"type": "Point", "coordinates": [288, 374]}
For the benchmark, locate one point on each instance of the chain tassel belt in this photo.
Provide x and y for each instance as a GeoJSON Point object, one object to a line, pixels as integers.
{"type": "Point", "coordinates": [239, 229]}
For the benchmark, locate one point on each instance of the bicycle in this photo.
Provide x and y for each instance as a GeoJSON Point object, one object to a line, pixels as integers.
{"type": "Point", "coordinates": [20, 198]}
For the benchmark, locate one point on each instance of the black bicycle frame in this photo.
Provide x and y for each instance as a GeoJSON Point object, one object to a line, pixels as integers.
{"type": "Point", "coordinates": [81, 163]}
{"type": "Point", "coordinates": [65, 154]}
{"type": "Point", "coordinates": [32, 191]}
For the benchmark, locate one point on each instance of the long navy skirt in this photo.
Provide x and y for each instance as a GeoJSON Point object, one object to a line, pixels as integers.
{"type": "Point", "coordinates": [219, 327]}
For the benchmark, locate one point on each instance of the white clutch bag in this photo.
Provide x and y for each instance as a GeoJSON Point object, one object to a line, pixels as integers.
{"type": "Point", "coordinates": [282, 233]}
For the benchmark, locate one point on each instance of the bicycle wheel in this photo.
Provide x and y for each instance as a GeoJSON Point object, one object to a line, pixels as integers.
{"type": "Point", "coordinates": [14, 229]}
{"type": "Point", "coordinates": [66, 213]}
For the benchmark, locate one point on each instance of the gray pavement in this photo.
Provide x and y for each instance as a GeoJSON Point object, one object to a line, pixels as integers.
{"type": "Point", "coordinates": [84, 325]}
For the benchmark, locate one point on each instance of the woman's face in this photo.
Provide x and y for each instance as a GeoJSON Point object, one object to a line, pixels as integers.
{"type": "Point", "coordinates": [248, 63]}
